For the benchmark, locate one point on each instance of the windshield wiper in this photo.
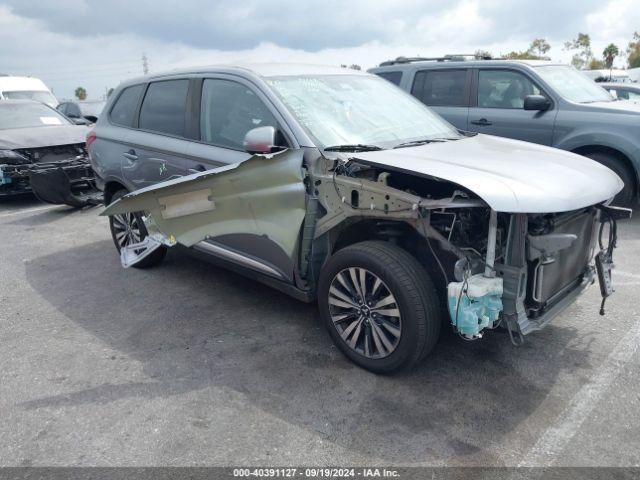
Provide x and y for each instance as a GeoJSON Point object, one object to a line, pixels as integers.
{"type": "Point", "coordinates": [356, 147]}
{"type": "Point", "coordinates": [424, 141]}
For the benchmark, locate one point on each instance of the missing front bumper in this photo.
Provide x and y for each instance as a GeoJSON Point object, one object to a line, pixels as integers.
{"type": "Point", "coordinates": [64, 182]}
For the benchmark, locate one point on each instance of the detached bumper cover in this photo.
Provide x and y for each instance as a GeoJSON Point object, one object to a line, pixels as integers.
{"type": "Point", "coordinates": [69, 181]}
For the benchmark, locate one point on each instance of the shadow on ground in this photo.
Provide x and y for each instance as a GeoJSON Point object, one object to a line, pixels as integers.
{"type": "Point", "coordinates": [194, 326]}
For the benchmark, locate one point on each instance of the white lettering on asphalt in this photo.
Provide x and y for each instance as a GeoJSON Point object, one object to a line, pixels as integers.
{"type": "Point", "coordinates": [557, 436]}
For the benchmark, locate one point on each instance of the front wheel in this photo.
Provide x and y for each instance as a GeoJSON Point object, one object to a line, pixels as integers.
{"type": "Point", "coordinates": [127, 229]}
{"type": "Point", "coordinates": [379, 305]}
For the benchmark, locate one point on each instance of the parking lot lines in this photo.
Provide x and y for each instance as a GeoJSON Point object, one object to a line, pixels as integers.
{"type": "Point", "coordinates": [559, 434]}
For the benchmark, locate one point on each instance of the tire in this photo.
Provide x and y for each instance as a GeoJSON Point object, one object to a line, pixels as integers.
{"type": "Point", "coordinates": [626, 196]}
{"type": "Point", "coordinates": [413, 326]}
{"type": "Point", "coordinates": [139, 232]}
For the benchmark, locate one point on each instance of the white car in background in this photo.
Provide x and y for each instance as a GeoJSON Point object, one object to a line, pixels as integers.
{"type": "Point", "coordinates": [623, 91]}
{"type": "Point", "coordinates": [26, 88]}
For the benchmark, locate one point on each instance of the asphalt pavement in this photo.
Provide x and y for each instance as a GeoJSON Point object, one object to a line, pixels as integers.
{"type": "Point", "coordinates": [189, 364]}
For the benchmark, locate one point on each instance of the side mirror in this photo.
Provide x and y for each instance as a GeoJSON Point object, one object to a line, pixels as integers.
{"type": "Point", "coordinates": [261, 140]}
{"type": "Point", "coordinates": [536, 102]}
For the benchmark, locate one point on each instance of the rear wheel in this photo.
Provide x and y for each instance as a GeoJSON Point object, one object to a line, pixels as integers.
{"type": "Point", "coordinates": [127, 229]}
{"type": "Point", "coordinates": [627, 195]}
{"type": "Point", "coordinates": [379, 305]}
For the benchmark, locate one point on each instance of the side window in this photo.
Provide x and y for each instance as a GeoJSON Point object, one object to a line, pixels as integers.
{"type": "Point", "coordinates": [441, 87]}
{"type": "Point", "coordinates": [125, 107]}
{"type": "Point", "coordinates": [621, 94]}
{"type": "Point", "coordinates": [393, 77]}
{"type": "Point", "coordinates": [164, 107]}
{"type": "Point", "coordinates": [73, 110]}
{"type": "Point", "coordinates": [228, 111]}
{"type": "Point", "coordinates": [62, 108]}
{"type": "Point", "coordinates": [504, 89]}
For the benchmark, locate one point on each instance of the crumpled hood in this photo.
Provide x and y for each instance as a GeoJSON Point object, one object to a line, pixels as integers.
{"type": "Point", "coordinates": [42, 136]}
{"type": "Point", "coordinates": [510, 175]}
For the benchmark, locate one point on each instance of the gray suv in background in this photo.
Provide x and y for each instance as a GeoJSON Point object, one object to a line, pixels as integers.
{"type": "Point", "coordinates": [535, 101]}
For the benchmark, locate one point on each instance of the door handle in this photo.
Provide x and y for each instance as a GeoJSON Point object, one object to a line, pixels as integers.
{"type": "Point", "coordinates": [482, 122]}
{"type": "Point", "coordinates": [198, 169]}
{"type": "Point", "coordinates": [130, 155]}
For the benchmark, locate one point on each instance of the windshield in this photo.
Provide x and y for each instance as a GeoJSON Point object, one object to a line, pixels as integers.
{"type": "Point", "coordinates": [26, 115]}
{"type": "Point", "coordinates": [37, 95]}
{"type": "Point", "coordinates": [91, 108]}
{"type": "Point", "coordinates": [573, 85]}
{"type": "Point", "coordinates": [357, 110]}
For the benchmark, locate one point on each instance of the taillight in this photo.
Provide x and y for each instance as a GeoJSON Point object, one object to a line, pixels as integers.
{"type": "Point", "coordinates": [91, 136]}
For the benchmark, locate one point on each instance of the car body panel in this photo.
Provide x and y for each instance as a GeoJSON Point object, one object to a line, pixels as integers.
{"type": "Point", "coordinates": [45, 136]}
{"type": "Point", "coordinates": [509, 175]}
{"type": "Point", "coordinates": [263, 197]}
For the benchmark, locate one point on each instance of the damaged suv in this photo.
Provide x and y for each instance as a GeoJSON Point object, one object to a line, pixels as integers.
{"type": "Point", "coordinates": [336, 186]}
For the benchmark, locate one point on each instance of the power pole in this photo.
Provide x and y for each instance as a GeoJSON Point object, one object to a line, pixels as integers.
{"type": "Point", "coordinates": [145, 64]}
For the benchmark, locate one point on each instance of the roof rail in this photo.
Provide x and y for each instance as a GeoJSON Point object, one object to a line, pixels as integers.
{"type": "Point", "coordinates": [458, 57]}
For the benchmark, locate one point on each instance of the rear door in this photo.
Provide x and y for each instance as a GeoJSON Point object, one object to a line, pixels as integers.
{"type": "Point", "coordinates": [157, 147]}
{"type": "Point", "coordinates": [497, 106]}
{"type": "Point", "coordinates": [446, 91]}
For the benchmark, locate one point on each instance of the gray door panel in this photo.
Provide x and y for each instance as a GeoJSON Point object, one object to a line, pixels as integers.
{"type": "Point", "coordinates": [256, 208]}
{"type": "Point", "coordinates": [456, 116]}
{"type": "Point", "coordinates": [535, 127]}
{"type": "Point", "coordinates": [151, 158]}
{"type": "Point", "coordinates": [211, 156]}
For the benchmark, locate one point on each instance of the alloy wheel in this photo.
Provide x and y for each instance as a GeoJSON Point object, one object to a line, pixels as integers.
{"type": "Point", "coordinates": [365, 312]}
{"type": "Point", "coordinates": [126, 229]}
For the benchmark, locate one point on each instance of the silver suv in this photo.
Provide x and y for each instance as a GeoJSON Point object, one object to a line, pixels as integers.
{"type": "Point", "coordinates": [334, 185]}
{"type": "Point", "coordinates": [532, 100]}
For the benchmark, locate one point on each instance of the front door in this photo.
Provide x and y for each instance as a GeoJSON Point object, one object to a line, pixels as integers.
{"type": "Point", "coordinates": [498, 107]}
{"type": "Point", "coordinates": [250, 212]}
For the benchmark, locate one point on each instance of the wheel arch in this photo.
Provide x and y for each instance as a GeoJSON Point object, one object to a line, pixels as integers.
{"type": "Point", "coordinates": [398, 232]}
{"type": "Point", "coordinates": [111, 187]}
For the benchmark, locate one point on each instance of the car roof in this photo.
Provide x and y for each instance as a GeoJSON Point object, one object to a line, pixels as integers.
{"type": "Point", "coordinates": [258, 69]}
{"type": "Point", "coordinates": [401, 64]}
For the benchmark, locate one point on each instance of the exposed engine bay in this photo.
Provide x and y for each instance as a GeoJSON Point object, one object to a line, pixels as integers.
{"type": "Point", "coordinates": [514, 270]}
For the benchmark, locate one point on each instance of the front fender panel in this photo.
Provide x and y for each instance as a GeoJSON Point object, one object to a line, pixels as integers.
{"type": "Point", "coordinates": [263, 195]}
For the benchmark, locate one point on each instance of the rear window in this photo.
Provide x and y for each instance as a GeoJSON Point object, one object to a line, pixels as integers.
{"type": "Point", "coordinates": [393, 77]}
{"type": "Point", "coordinates": [124, 109]}
{"type": "Point", "coordinates": [164, 107]}
{"type": "Point", "coordinates": [441, 87]}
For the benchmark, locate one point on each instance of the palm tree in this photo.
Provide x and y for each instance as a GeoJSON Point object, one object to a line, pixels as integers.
{"type": "Point", "coordinates": [609, 54]}
{"type": "Point", "coordinates": [81, 93]}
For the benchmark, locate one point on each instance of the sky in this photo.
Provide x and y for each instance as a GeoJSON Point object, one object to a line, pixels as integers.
{"type": "Point", "coordinates": [97, 44]}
